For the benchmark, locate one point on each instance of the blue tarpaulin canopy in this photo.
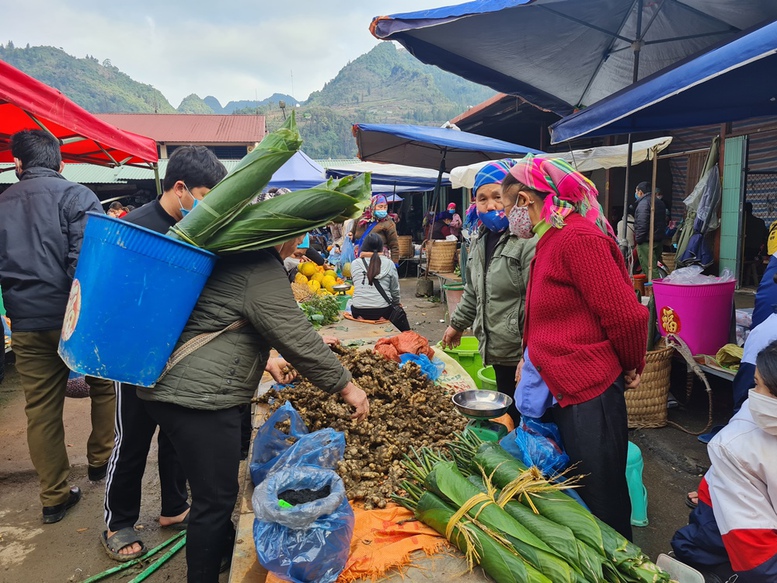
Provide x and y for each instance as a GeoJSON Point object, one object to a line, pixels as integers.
{"type": "Point", "coordinates": [298, 173]}
{"type": "Point", "coordinates": [430, 147]}
{"type": "Point", "coordinates": [734, 81]}
{"type": "Point", "coordinates": [392, 177]}
{"type": "Point", "coordinates": [565, 54]}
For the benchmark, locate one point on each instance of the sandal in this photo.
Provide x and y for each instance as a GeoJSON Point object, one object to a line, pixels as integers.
{"type": "Point", "coordinates": [689, 500]}
{"type": "Point", "coordinates": [120, 539]}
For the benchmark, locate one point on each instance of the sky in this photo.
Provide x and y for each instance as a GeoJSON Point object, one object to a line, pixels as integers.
{"type": "Point", "coordinates": [232, 49]}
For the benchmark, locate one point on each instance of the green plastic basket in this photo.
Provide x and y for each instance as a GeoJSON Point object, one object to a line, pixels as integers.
{"type": "Point", "coordinates": [487, 377]}
{"type": "Point", "coordinates": [467, 355]}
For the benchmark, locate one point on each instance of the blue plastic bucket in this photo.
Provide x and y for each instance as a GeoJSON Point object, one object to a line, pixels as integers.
{"type": "Point", "coordinates": [132, 294]}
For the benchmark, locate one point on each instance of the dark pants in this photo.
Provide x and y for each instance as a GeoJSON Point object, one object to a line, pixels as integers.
{"type": "Point", "coordinates": [505, 383]}
{"type": "Point", "coordinates": [134, 431]}
{"type": "Point", "coordinates": [208, 446]}
{"type": "Point", "coordinates": [375, 314]}
{"type": "Point", "coordinates": [596, 438]}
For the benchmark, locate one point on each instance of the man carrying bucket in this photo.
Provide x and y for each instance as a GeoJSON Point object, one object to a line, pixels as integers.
{"type": "Point", "coordinates": [36, 272]}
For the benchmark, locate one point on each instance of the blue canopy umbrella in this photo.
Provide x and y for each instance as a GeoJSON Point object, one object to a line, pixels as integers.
{"type": "Point", "coordinates": [566, 54]}
{"type": "Point", "coordinates": [298, 173]}
{"type": "Point", "coordinates": [734, 81]}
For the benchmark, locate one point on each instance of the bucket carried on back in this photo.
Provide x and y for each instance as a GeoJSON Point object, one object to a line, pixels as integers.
{"type": "Point", "coordinates": [131, 297]}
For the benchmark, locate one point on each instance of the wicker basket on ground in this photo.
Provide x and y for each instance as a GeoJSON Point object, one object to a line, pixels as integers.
{"type": "Point", "coordinates": [669, 260]}
{"type": "Point", "coordinates": [441, 255]}
{"type": "Point", "coordinates": [405, 246]}
{"type": "Point", "coordinates": [646, 405]}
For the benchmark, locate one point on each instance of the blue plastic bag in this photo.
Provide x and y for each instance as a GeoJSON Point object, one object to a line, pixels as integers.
{"type": "Point", "coordinates": [347, 254]}
{"type": "Point", "coordinates": [308, 542]}
{"type": "Point", "coordinates": [270, 443]}
{"type": "Point", "coordinates": [537, 444]}
{"type": "Point", "coordinates": [322, 449]}
{"type": "Point", "coordinates": [431, 368]}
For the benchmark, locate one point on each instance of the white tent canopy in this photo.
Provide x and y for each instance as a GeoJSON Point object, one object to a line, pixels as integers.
{"type": "Point", "coordinates": [584, 160]}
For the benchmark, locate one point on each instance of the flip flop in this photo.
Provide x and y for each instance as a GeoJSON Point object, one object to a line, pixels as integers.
{"type": "Point", "coordinates": [690, 503]}
{"type": "Point", "coordinates": [120, 539]}
{"type": "Point", "coordinates": [183, 525]}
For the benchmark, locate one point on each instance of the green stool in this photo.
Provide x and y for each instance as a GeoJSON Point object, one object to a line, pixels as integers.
{"type": "Point", "coordinates": [637, 490]}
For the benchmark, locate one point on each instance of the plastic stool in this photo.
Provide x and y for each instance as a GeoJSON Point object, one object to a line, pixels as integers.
{"type": "Point", "coordinates": [637, 490]}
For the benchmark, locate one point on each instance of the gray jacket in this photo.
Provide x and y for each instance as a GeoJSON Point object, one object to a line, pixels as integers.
{"type": "Point", "coordinates": [494, 297]}
{"type": "Point", "coordinates": [226, 371]}
{"type": "Point", "coordinates": [366, 296]}
{"type": "Point", "coordinates": [42, 221]}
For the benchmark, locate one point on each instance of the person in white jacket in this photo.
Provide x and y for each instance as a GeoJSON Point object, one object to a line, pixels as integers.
{"type": "Point", "coordinates": [372, 268]}
{"type": "Point", "coordinates": [733, 530]}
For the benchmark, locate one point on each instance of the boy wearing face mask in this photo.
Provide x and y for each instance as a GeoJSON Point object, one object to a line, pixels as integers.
{"type": "Point", "coordinates": [191, 172]}
{"type": "Point", "coordinates": [733, 530]}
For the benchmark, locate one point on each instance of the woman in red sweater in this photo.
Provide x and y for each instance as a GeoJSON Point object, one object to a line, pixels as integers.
{"type": "Point", "coordinates": [585, 333]}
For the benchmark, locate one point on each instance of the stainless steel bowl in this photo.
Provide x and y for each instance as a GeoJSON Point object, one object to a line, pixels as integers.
{"type": "Point", "coordinates": [481, 404]}
{"type": "Point", "coordinates": [341, 287]}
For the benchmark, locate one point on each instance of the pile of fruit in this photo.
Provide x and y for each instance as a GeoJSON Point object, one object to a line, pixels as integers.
{"type": "Point", "coordinates": [320, 281]}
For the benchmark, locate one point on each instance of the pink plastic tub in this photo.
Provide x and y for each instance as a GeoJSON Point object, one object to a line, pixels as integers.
{"type": "Point", "coordinates": [699, 314]}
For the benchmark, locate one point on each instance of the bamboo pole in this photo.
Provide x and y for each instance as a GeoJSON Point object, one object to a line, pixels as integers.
{"type": "Point", "coordinates": [651, 240]}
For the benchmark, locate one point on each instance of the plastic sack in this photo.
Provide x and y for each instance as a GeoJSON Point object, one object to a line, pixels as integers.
{"type": "Point", "coordinates": [270, 443]}
{"type": "Point", "coordinates": [322, 449]}
{"type": "Point", "coordinates": [692, 275]}
{"type": "Point", "coordinates": [308, 542]}
{"type": "Point", "coordinates": [432, 369]}
{"type": "Point", "coordinates": [347, 254]}
{"type": "Point", "coordinates": [537, 444]}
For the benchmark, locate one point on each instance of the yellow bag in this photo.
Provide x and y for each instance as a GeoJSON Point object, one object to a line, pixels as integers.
{"type": "Point", "coordinates": [771, 242]}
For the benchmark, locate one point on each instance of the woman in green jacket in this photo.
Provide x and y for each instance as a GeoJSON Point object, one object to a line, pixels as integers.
{"type": "Point", "coordinates": [497, 274]}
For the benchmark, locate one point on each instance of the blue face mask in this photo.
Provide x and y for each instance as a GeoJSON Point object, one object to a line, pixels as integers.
{"type": "Point", "coordinates": [381, 214]}
{"type": "Point", "coordinates": [636, 196]}
{"type": "Point", "coordinates": [452, 211]}
{"type": "Point", "coordinates": [185, 211]}
{"type": "Point", "coordinates": [494, 220]}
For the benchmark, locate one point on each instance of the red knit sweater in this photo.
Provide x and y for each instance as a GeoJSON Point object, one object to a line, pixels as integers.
{"type": "Point", "coordinates": [584, 325]}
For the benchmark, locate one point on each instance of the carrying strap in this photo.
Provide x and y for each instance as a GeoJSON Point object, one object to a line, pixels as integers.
{"type": "Point", "coordinates": [680, 346]}
{"type": "Point", "coordinates": [198, 342]}
{"type": "Point", "coordinates": [367, 231]}
{"type": "Point", "coordinates": [377, 285]}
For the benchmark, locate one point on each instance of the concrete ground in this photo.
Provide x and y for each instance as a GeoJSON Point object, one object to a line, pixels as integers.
{"type": "Point", "coordinates": [70, 550]}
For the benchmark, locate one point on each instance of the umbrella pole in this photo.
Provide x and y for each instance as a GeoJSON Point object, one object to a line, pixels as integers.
{"type": "Point", "coordinates": [626, 192]}
{"type": "Point", "coordinates": [435, 200]}
{"type": "Point", "coordinates": [651, 240]}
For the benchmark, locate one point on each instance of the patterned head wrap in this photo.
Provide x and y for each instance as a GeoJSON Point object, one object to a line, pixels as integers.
{"type": "Point", "coordinates": [369, 214]}
{"type": "Point", "coordinates": [493, 173]}
{"type": "Point", "coordinates": [568, 190]}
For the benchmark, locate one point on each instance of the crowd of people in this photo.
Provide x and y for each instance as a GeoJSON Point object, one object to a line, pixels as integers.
{"type": "Point", "coordinates": [547, 294]}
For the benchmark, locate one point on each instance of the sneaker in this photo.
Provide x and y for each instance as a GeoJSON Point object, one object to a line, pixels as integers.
{"type": "Point", "coordinates": [671, 402]}
{"type": "Point", "coordinates": [52, 514]}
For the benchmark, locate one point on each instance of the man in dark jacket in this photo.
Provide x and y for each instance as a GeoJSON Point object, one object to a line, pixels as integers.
{"type": "Point", "coordinates": [42, 220]}
{"type": "Point", "coordinates": [642, 228]}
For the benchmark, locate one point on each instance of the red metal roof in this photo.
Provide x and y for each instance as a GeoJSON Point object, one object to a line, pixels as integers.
{"type": "Point", "coordinates": [26, 102]}
{"type": "Point", "coordinates": [180, 128]}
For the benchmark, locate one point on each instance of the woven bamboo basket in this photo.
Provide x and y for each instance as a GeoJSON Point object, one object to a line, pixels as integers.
{"type": "Point", "coordinates": [442, 256]}
{"type": "Point", "coordinates": [405, 246]}
{"type": "Point", "coordinates": [669, 259]}
{"type": "Point", "coordinates": [646, 405]}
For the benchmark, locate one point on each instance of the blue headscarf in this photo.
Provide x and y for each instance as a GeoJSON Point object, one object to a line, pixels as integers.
{"type": "Point", "coordinates": [493, 173]}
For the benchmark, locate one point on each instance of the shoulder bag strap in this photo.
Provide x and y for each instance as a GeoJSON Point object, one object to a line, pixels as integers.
{"type": "Point", "coordinates": [198, 342]}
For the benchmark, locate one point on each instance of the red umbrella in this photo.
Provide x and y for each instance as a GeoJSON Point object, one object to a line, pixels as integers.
{"type": "Point", "coordinates": [26, 103]}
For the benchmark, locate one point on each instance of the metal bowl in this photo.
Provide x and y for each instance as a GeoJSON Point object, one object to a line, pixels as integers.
{"type": "Point", "coordinates": [341, 287]}
{"type": "Point", "coordinates": [482, 404]}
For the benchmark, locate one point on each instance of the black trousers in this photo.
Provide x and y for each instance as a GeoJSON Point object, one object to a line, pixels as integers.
{"type": "Point", "coordinates": [134, 432]}
{"type": "Point", "coordinates": [208, 445]}
{"type": "Point", "coordinates": [505, 383]}
{"type": "Point", "coordinates": [596, 438]}
{"type": "Point", "coordinates": [371, 313]}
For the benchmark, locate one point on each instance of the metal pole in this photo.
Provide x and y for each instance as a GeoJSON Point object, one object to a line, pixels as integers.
{"type": "Point", "coordinates": [636, 46]}
{"type": "Point", "coordinates": [651, 239]}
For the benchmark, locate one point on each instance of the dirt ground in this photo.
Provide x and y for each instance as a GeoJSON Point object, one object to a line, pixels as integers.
{"type": "Point", "coordinates": [70, 551]}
